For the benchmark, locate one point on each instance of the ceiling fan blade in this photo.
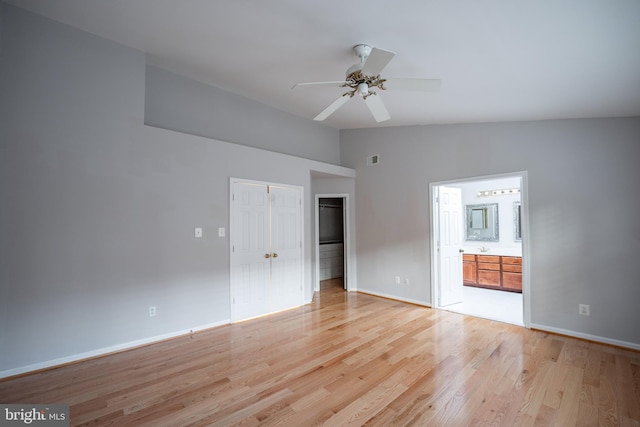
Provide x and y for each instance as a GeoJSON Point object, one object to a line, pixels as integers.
{"type": "Point", "coordinates": [335, 83]}
{"type": "Point", "coordinates": [332, 108]}
{"type": "Point", "coordinates": [377, 108]}
{"type": "Point", "coordinates": [423, 85]}
{"type": "Point", "coordinates": [376, 61]}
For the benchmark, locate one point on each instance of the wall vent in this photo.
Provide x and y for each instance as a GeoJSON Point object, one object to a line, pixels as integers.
{"type": "Point", "coordinates": [373, 160]}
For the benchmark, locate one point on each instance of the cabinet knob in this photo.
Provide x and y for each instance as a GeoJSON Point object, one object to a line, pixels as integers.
{"type": "Point", "coordinates": [461, 250]}
{"type": "Point", "coordinates": [275, 255]}
{"type": "Point", "coordinates": [267, 256]}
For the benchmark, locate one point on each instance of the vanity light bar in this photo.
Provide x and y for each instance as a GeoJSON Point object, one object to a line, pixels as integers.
{"type": "Point", "coordinates": [498, 192]}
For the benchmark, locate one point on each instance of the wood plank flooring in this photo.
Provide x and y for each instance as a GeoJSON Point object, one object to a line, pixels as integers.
{"type": "Point", "coordinates": [350, 359]}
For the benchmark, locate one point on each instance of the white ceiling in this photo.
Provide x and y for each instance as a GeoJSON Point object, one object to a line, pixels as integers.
{"type": "Point", "coordinates": [499, 60]}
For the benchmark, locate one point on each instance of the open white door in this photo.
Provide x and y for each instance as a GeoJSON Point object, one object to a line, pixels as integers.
{"type": "Point", "coordinates": [450, 247]}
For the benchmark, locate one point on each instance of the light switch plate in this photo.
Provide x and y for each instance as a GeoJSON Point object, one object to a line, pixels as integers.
{"type": "Point", "coordinates": [221, 232]}
{"type": "Point", "coordinates": [198, 232]}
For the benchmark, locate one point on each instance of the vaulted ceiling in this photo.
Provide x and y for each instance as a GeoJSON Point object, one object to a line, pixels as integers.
{"type": "Point", "coordinates": [499, 60]}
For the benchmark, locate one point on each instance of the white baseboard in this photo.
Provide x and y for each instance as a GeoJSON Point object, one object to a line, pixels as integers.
{"type": "Point", "coordinates": [588, 337]}
{"type": "Point", "coordinates": [393, 297]}
{"type": "Point", "coordinates": [105, 350]}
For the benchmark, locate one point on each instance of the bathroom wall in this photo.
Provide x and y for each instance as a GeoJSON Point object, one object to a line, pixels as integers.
{"type": "Point", "coordinates": [507, 245]}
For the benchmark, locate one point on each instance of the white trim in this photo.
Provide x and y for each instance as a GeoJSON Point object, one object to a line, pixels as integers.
{"type": "Point", "coordinates": [346, 237]}
{"type": "Point", "coordinates": [106, 350]}
{"type": "Point", "coordinates": [526, 257]}
{"type": "Point", "coordinates": [588, 337]}
{"type": "Point", "coordinates": [394, 297]}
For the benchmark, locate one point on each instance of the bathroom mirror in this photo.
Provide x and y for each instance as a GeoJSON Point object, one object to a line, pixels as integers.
{"type": "Point", "coordinates": [482, 222]}
{"type": "Point", "coordinates": [517, 230]}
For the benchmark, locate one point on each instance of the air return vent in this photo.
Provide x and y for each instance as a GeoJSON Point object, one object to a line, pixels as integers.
{"type": "Point", "coordinates": [373, 160]}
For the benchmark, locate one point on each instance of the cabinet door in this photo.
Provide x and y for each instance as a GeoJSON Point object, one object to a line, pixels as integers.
{"type": "Point", "coordinates": [469, 272]}
{"type": "Point", "coordinates": [489, 277]}
{"type": "Point", "coordinates": [512, 280]}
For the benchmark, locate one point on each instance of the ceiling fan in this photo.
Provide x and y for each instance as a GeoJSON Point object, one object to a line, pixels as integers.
{"type": "Point", "coordinates": [361, 78]}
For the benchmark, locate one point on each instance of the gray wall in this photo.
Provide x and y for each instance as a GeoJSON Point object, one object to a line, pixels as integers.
{"type": "Point", "coordinates": [98, 211]}
{"type": "Point", "coordinates": [178, 103]}
{"type": "Point", "coordinates": [583, 178]}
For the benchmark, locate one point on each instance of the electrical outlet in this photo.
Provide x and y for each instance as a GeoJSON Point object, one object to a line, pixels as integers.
{"type": "Point", "coordinates": [198, 232]}
{"type": "Point", "coordinates": [152, 311]}
{"type": "Point", "coordinates": [583, 309]}
{"type": "Point", "coordinates": [406, 281]}
{"type": "Point", "coordinates": [397, 280]}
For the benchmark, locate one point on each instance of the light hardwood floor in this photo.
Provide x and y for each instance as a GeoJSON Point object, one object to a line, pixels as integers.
{"type": "Point", "coordinates": [350, 359]}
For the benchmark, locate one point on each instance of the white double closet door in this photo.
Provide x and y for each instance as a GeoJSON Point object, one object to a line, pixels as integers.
{"type": "Point", "coordinates": [266, 248]}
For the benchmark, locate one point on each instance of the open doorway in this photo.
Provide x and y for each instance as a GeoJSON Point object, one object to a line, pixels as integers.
{"type": "Point", "coordinates": [331, 238]}
{"type": "Point", "coordinates": [479, 251]}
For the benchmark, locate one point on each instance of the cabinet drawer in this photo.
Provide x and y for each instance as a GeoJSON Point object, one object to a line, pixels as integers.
{"type": "Point", "coordinates": [512, 268]}
{"type": "Point", "coordinates": [491, 278]}
{"type": "Point", "coordinates": [512, 260]}
{"type": "Point", "coordinates": [488, 266]}
{"type": "Point", "coordinates": [468, 257]}
{"type": "Point", "coordinates": [488, 258]}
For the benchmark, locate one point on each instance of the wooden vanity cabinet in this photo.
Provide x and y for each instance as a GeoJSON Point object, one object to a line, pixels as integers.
{"type": "Point", "coordinates": [492, 271]}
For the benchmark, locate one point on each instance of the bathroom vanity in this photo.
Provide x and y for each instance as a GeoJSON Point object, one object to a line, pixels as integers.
{"type": "Point", "coordinates": [492, 271]}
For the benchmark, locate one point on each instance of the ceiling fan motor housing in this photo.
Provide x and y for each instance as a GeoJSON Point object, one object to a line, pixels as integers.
{"type": "Point", "coordinates": [362, 51]}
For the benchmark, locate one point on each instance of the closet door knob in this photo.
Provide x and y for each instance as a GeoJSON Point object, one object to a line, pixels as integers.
{"type": "Point", "coordinates": [267, 256]}
{"type": "Point", "coordinates": [275, 255]}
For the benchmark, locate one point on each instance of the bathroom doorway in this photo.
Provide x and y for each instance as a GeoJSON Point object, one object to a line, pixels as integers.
{"type": "Point", "coordinates": [479, 251]}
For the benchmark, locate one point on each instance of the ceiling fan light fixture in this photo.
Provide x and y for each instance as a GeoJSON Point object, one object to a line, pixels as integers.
{"type": "Point", "coordinates": [363, 89]}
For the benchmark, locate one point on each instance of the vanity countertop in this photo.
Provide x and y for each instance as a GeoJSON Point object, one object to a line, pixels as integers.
{"type": "Point", "coordinates": [475, 250]}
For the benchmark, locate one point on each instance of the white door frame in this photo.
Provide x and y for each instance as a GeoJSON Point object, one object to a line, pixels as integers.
{"type": "Point", "coordinates": [524, 225]}
{"type": "Point", "coordinates": [346, 234]}
{"type": "Point", "coordinates": [232, 181]}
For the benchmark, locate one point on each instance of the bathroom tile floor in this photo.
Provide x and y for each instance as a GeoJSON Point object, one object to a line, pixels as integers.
{"type": "Point", "coordinates": [490, 304]}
